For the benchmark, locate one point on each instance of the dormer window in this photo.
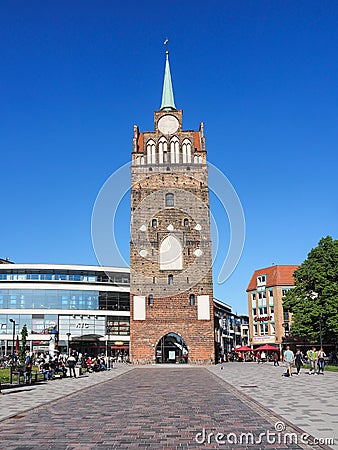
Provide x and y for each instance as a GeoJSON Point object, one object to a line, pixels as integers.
{"type": "Point", "coordinates": [261, 280]}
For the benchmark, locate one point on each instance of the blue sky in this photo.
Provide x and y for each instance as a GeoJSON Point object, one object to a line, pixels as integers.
{"type": "Point", "coordinates": [76, 76]}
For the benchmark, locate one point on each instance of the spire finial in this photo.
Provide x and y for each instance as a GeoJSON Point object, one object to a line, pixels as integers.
{"type": "Point", "coordinates": [168, 102]}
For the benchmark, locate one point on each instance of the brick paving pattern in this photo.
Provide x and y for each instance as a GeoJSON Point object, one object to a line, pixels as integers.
{"type": "Point", "coordinates": [144, 408]}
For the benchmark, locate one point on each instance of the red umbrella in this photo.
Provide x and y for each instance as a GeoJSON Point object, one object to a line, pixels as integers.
{"type": "Point", "coordinates": [266, 348]}
{"type": "Point", "coordinates": [244, 348]}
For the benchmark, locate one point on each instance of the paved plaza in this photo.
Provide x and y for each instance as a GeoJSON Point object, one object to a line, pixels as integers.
{"type": "Point", "coordinates": [170, 407]}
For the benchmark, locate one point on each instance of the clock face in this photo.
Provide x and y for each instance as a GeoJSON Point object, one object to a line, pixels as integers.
{"type": "Point", "coordinates": [168, 124]}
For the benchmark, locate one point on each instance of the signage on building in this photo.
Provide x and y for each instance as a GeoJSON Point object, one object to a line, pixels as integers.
{"type": "Point", "coordinates": [80, 325]}
{"type": "Point", "coordinates": [263, 339]}
{"type": "Point", "coordinates": [262, 318]}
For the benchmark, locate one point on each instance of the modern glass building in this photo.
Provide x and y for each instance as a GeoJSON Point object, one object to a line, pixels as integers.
{"type": "Point", "coordinates": [65, 306]}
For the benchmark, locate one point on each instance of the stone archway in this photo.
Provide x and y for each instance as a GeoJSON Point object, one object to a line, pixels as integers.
{"type": "Point", "coordinates": [171, 349]}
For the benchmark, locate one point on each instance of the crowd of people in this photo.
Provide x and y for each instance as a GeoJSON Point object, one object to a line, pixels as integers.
{"type": "Point", "coordinates": [58, 366]}
{"type": "Point", "coordinates": [316, 359]}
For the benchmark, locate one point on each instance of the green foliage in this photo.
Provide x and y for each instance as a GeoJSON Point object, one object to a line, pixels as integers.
{"type": "Point", "coordinates": [318, 274]}
{"type": "Point", "coordinates": [22, 349]}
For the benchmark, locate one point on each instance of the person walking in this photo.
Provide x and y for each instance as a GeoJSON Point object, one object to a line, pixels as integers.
{"type": "Point", "coordinates": [313, 356]}
{"type": "Point", "coordinates": [321, 361]}
{"type": "Point", "coordinates": [298, 360]}
{"type": "Point", "coordinates": [276, 359]}
{"type": "Point", "coordinates": [289, 358]}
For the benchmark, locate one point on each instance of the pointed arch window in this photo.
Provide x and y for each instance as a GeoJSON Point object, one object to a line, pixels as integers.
{"type": "Point", "coordinates": [192, 300]}
{"type": "Point", "coordinates": [174, 150]}
{"type": "Point", "coordinates": [171, 254]}
{"type": "Point", "coordinates": [186, 151]}
{"type": "Point", "coordinates": [150, 299]}
{"type": "Point", "coordinates": [170, 280]}
{"type": "Point", "coordinates": [186, 222]}
{"type": "Point", "coordinates": [151, 158]}
{"type": "Point", "coordinates": [154, 223]}
{"type": "Point", "coordinates": [162, 150]}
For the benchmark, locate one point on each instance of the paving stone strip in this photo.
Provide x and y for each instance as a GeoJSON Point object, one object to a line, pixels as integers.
{"type": "Point", "coordinates": [156, 408]}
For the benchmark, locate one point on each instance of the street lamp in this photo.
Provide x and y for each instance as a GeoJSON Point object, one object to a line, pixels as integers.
{"type": "Point", "coordinates": [13, 322]}
{"type": "Point", "coordinates": [68, 336]}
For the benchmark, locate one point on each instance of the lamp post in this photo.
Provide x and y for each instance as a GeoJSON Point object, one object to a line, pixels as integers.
{"type": "Point", "coordinates": [13, 322]}
{"type": "Point", "coordinates": [68, 336]}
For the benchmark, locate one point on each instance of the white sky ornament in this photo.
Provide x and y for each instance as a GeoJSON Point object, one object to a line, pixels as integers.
{"type": "Point", "coordinates": [143, 228]}
{"type": "Point", "coordinates": [143, 253]}
{"type": "Point", "coordinates": [198, 227]}
{"type": "Point", "coordinates": [198, 252]}
{"type": "Point", "coordinates": [170, 227]}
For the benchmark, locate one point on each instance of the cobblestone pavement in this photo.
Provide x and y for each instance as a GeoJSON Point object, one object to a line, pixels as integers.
{"type": "Point", "coordinates": [146, 407]}
{"type": "Point", "coordinates": [18, 399]}
{"type": "Point", "coordinates": [307, 401]}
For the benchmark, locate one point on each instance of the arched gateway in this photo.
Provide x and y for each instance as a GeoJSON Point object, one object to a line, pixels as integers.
{"type": "Point", "coordinates": [171, 348]}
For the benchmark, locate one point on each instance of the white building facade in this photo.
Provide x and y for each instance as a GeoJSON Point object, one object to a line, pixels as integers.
{"type": "Point", "coordinates": [69, 306]}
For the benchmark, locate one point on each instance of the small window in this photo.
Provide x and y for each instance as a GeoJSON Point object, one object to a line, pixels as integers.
{"type": "Point", "coordinates": [170, 280]}
{"type": "Point", "coordinates": [154, 223]}
{"type": "Point", "coordinates": [154, 280]}
{"type": "Point", "coordinates": [192, 300]}
{"type": "Point", "coordinates": [150, 299]}
{"type": "Point", "coordinates": [186, 222]}
{"type": "Point", "coordinates": [169, 200]}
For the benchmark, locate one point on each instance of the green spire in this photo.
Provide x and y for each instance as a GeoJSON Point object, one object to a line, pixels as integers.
{"type": "Point", "coordinates": [167, 93]}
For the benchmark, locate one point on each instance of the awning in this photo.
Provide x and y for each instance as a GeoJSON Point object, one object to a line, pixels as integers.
{"type": "Point", "coordinates": [117, 347]}
{"type": "Point", "coordinates": [86, 337]}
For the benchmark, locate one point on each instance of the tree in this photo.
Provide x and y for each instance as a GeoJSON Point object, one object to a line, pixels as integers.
{"type": "Point", "coordinates": [22, 350]}
{"type": "Point", "coordinates": [314, 300]}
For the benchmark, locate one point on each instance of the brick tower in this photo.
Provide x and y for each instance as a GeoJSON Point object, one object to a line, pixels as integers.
{"type": "Point", "coordinates": [170, 250]}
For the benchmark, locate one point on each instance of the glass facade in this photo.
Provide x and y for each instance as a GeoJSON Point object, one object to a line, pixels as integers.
{"type": "Point", "coordinates": [48, 299]}
{"type": "Point", "coordinates": [35, 323]}
{"type": "Point", "coordinates": [64, 275]}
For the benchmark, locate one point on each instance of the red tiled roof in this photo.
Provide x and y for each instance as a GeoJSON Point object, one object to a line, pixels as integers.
{"type": "Point", "coordinates": [197, 143]}
{"type": "Point", "coordinates": [276, 276]}
{"type": "Point", "coordinates": [140, 143]}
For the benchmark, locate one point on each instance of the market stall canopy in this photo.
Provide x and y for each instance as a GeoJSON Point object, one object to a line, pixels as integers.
{"type": "Point", "coordinates": [267, 348]}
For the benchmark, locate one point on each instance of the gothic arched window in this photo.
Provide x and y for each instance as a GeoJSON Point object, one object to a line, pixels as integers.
{"type": "Point", "coordinates": [162, 150]}
{"type": "Point", "coordinates": [186, 151]}
{"type": "Point", "coordinates": [151, 159]}
{"type": "Point", "coordinates": [174, 150]}
{"type": "Point", "coordinates": [192, 300]}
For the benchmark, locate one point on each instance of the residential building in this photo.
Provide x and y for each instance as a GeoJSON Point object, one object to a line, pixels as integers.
{"type": "Point", "coordinates": [268, 322]}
